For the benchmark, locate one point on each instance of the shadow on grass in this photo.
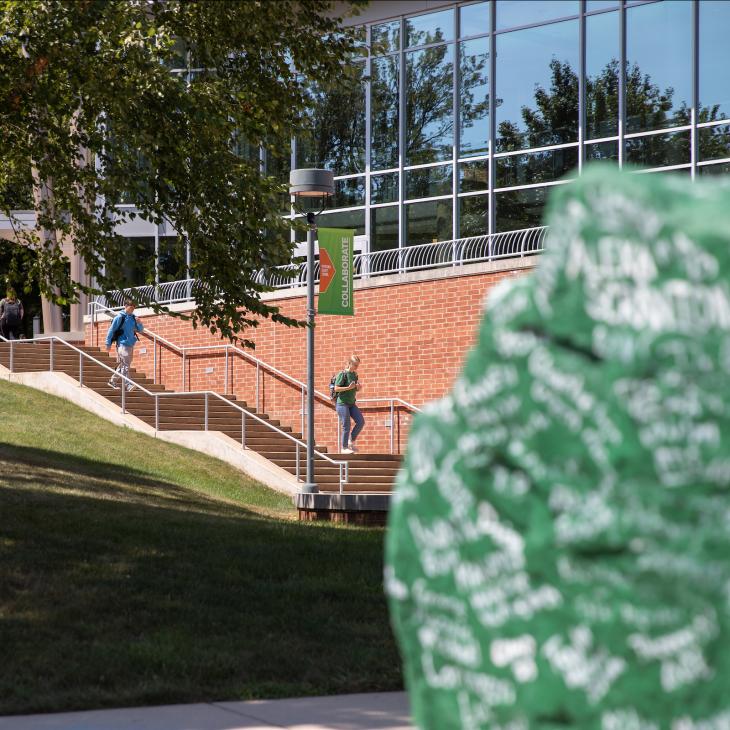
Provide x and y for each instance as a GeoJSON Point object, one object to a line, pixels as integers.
{"type": "Point", "coordinates": [117, 589]}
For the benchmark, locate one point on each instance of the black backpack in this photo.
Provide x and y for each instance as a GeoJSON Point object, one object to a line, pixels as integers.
{"type": "Point", "coordinates": [11, 312]}
{"type": "Point", "coordinates": [119, 331]}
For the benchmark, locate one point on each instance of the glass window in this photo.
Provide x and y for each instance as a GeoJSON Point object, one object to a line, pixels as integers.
{"type": "Point", "coordinates": [474, 97]}
{"type": "Point", "coordinates": [473, 176]}
{"type": "Point", "coordinates": [172, 265]}
{"type": "Point", "coordinates": [714, 77]}
{"type": "Point", "coordinates": [513, 13]}
{"type": "Point", "coordinates": [384, 188]}
{"type": "Point", "coordinates": [722, 169]}
{"type": "Point", "coordinates": [138, 267]}
{"type": "Point", "coordinates": [349, 193]}
{"type": "Point", "coordinates": [337, 137]}
{"type": "Point", "coordinates": [428, 182]}
{"type": "Point", "coordinates": [658, 150]}
{"type": "Point", "coordinates": [384, 228]}
{"type": "Point", "coordinates": [658, 66]}
{"type": "Point", "coordinates": [537, 84]}
{"type": "Point", "coordinates": [715, 142]}
{"type": "Point", "coordinates": [384, 103]}
{"type": "Point", "coordinates": [428, 222]}
{"type": "Point", "coordinates": [602, 72]}
{"type": "Point", "coordinates": [344, 219]}
{"type": "Point", "coordinates": [602, 151]}
{"type": "Point", "coordinates": [473, 215]}
{"type": "Point", "coordinates": [474, 19]}
{"type": "Point", "coordinates": [517, 209]}
{"type": "Point", "coordinates": [278, 166]}
{"type": "Point", "coordinates": [535, 168]}
{"type": "Point", "coordinates": [600, 4]}
{"type": "Point", "coordinates": [431, 28]}
{"type": "Point", "coordinates": [385, 38]}
{"type": "Point", "coordinates": [429, 107]}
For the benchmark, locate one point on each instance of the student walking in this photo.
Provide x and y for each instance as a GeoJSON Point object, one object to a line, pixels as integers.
{"type": "Point", "coordinates": [123, 332]}
{"type": "Point", "coordinates": [346, 387]}
{"type": "Point", "coordinates": [11, 316]}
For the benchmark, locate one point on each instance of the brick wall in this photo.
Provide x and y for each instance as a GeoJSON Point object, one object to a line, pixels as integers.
{"type": "Point", "coordinates": [411, 337]}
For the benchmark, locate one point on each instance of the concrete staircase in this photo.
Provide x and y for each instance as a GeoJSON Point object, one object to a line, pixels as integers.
{"type": "Point", "coordinates": [368, 473]}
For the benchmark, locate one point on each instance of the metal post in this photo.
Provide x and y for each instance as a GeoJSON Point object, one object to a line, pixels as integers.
{"type": "Point", "coordinates": [124, 395]}
{"type": "Point", "coordinates": [297, 451]}
{"type": "Point", "coordinates": [258, 404]}
{"type": "Point", "coordinates": [154, 358]}
{"type": "Point", "coordinates": [310, 487]}
{"type": "Point", "coordinates": [81, 370]}
{"type": "Point", "coordinates": [225, 389]}
{"type": "Point", "coordinates": [301, 412]}
{"type": "Point", "coordinates": [206, 410]}
{"type": "Point", "coordinates": [12, 352]}
{"type": "Point", "coordinates": [157, 412]}
{"type": "Point", "coordinates": [183, 371]}
{"type": "Point", "coordinates": [50, 367]}
{"type": "Point", "coordinates": [243, 429]}
{"type": "Point", "coordinates": [392, 426]}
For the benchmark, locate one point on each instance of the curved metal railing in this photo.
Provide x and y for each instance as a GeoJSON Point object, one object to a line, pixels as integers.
{"type": "Point", "coordinates": [185, 351]}
{"type": "Point", "coordinates": [445, 254]}
{"type": "Point", "coordinates": [343, 466]}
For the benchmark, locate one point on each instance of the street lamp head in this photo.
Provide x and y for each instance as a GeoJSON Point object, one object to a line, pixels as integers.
{"type": "Point", "coordinates": [311, 183]}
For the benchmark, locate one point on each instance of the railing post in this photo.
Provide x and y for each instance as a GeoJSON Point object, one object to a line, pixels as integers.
{"type": "Point", "coordinates": [302, 412]}
{"type": "Point", "coordinates": [296, 446]}
{"type": "Point", "coordinates": [124, 395]}
{"type": "Point", "coordinates": [206, 410]}
{"type": "Point", "coordinates": [81, 370]}
{"type": "Point", "coordinates": [157, 412]}
{"type": "Point", "coordinates": [225, 389]}
{"type": "Point", "coordinates": [392, 425]}
{"type": "Point", "coordinates": [50, 365]}
{"type": "Point", "coordinates": [258, 373]}
{"type": "Point", "coordinates": [183, 371]}
{"type": "Point", "coordinates": [12, 352]}
{"type": "Point", "coordinates": [154, 359]}
{"type": "Point", "coordinates": [243, 429]}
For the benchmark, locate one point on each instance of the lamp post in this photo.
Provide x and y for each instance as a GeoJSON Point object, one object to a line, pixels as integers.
{"type": "Point", "coordinates": [311, 185]}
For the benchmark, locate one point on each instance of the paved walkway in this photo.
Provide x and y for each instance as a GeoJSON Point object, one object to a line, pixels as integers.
{"type": "Point", "coordinates": [381, 711]}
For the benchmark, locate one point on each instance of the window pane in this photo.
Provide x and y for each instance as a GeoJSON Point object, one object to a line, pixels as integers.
{"type": "Point", "coordinates": [139, 264]}
{"type": "Point", "coordinates": [722, 169]}
{"type": "Point", "coordinates": [602, 151]}
{"type": "Point", "coordinates": [385, 38]}
{"type": "Point", "coordinates": [428, 222]}
{"type": "Point", "coordinates": [429, 108]}
{"type": "Point", "coordinates": [473, 176]}
{"type": "Point", "coordinates": [384, 228]}
{"type": "Point", "coordinates": [473, 216]}
{"type": "Point", "coordinates": [537, 83]}
{"type": "Point", "coordinates": [474, 19]}
{"type": "Point", "coordinates": [715, 142]}
{"type": "Point", "coordinates": [384, 102]}
{"type": "Point", "coordinates": [430, 28]}
{"type": "Point", "coordinates": [171, 259]}
{"type": "Point", "coordinates": [344, 219]}
{"type": "Point", "coordinates": [337, 138]}
{"type": "Point", "coordinates": [384, 188]}
{"type": "Point", "coordinates": [658, 66]}
{"type": "Point", "coordinates": [517, 209]}
{"type": "Point", "coordinates": [474, 97]}
{"type": "Point", "coordinates": [602, 66]}
{"type": "Point", "coordinates": [349, 193]}
{"type": "Point", "coordinates": [278, 166]}
{"type": "Point", "coordinates": [600, 4]}
{"type": "Point", "coordinates": [714, 77]}
{"type": "Point", "coordinates": [658, 150]}
{"type": "Point", "coordinates": [428, 182]}
{"type": "Point", "coordinates": [513, 13]}
{"type": "Point", "coordinates": [535, 168]}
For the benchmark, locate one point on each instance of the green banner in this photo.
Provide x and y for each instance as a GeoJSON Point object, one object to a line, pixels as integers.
{"type": "Point", "coordinates": [335, 271]}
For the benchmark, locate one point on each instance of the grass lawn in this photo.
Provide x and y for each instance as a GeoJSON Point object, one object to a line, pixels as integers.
{"type": "Point", "coordinates": [136, 572]}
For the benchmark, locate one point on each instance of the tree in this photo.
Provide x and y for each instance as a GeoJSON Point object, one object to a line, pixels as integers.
{"type": "Point", "coordinates": [92, 111]}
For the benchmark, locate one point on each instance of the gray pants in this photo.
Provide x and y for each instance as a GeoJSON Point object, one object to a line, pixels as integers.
{"type": "Point", "coordinates": [125, 353]}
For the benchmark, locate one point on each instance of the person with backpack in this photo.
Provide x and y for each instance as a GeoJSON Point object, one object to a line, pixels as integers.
{"type": "Point", "coordinates": [344, 390]}
{"type": "Point", "coordinates": [11, 316]}
{"type": "Point", "coordinates": [123, 332]}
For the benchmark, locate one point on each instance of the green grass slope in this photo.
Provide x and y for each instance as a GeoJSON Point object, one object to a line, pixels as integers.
{"type": "Point", "coordinates": [136, 572]}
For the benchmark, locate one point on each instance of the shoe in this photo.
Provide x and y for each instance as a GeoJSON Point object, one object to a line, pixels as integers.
{"type": "Point", "coordinates": [353, 449]}
{"type": "Point", "coordinates": [347, 451]}
{"type": "Point", "coordinates": [130, 388]}
{"type": "Point", "coordinates": [113, 385]}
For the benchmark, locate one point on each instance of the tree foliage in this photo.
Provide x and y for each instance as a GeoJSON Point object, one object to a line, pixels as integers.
{"type": "Point", "coordinates": [92, 113]}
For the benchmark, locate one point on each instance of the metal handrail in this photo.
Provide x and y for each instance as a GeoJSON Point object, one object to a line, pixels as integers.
{"type": "Point", "coordinates": [183, 351]}
{"type": "Point", "coordinates": [343, 466]}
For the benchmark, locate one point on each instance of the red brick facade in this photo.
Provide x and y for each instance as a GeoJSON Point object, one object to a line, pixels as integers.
{"type": "Point", "coordinates": [412, 338]}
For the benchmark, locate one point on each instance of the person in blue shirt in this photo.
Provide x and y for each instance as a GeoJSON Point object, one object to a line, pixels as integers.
{"type": "Point", "coordinates": [123, 332]}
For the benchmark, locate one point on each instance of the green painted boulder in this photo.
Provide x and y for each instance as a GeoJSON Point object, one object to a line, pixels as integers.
{"type": "Point", "coordinates": [558, 551]}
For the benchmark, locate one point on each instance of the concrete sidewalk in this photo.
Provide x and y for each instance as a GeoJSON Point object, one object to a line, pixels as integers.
{"type": "Point", "coordinates": [380, 711]}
